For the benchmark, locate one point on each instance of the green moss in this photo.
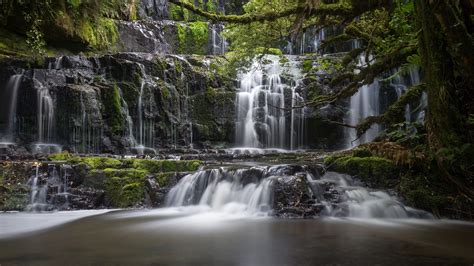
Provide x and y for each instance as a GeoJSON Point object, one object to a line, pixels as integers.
{"type": "Point", "coordinates": [165, 92]}
{"type": "Point", "coordinates": [62, 156]}
{"type": "Point", "coordinates": [113, 107]}
{"type": "Point", "coordinates": [211, 6]}
{"type": "Point", "coordinates": [178, 13]}
{"type": "Point", "coordinates": [124, 187]}
{"type": "Point", "coordinates": [377, 171]}
{"type": "Point", "coordinates": [99, 34]}
{"type": "Point", "coordinates": [159, 166]}
{"type": "Point", "coordinates": [193, 38]}
{"type": "Point", "coordinates": [101, 162]}
{"type": "Point", "coordinates": [164, 178]}
{"type": "Point", "coordinates": [307, 65]}
{"type": "Point", "coordinates": [132, 194]}
{"type": "Point", "coordinates": [264, 50]}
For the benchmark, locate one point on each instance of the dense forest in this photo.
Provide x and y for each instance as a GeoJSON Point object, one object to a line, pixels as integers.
{"type": "Point", "coordinates": [291, 109]}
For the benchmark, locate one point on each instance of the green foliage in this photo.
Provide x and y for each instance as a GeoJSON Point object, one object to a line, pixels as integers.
{"type": "Point", "coordinates": [90, 23]}
{"type": "Point", "coordinates": [193, 38]}
{"type": "Point", "coordinates": [264, 50]}
{"type": "Point", "coordinates": [35, 37]}
{"type": "Point", "coordinates": [245, 38]}
{"type": "Point", "coordinates": [307, 65]}
{"type": "Point", "coordinates": [178, 13]}
{"type": "Point", "coordinates": [328, 65]}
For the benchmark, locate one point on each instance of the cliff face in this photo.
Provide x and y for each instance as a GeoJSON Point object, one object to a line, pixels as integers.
{"type": "Point", "coordinates": [117, 103]}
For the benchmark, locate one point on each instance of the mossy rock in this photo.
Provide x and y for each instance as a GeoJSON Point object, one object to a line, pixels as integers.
{"type": "Point", "coordinates": [62, 156]}
{"type": "Point", "coordinates": [163, 179]}
{"type": "Point", "coordinates": [125, 187]}
{"type": "Point", "coordinates": [376, 171]}
{"type": "Point", "coordinates": [427, 193]}
{"type": "Point", "coordinates": [101, 162]}
{"type": "Point", "coordinates": [159, 166]}
{"type": "Point", "coordinates": [113, 109]}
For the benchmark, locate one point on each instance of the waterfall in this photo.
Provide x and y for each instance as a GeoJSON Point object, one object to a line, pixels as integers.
{"type": "Point", "coordinates": [319, 37]}
{"type": "Point", "coordinates": [12, 86]}
{"type": "Point", "coordinates": [222, 190]}
{"type": "Point", "coordinates": [49, 189]}
{"type": "Point", "coordinates": [218, 45]}
{"type": "Point", "coordinates": [87, 138]}
{"type": "Point", "coordinates": [262, 106]}
{"type": "Point", "coordinates": [358, 201]}
{"type": "Point", "coordinates": [45, 120]}
{"type": "Point", "coordinates": [364, 103]}
{"type": "Point", "coordinates": [259, 190]}
{"type": "Point", "coordinates": [45, 115]}
{"type": "Point", "coordinates": [145, 127]}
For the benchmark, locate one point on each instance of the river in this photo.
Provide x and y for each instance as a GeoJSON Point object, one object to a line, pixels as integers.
{"type": "Point", "coordinates": [195, 235]}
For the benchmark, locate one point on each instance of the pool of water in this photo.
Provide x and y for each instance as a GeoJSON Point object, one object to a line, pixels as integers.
{"type": "Point", "coordinates": [200, 236]}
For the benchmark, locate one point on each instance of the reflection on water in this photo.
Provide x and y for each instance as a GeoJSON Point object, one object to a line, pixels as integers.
{"type": "Point", "coordinates": [191, 236]}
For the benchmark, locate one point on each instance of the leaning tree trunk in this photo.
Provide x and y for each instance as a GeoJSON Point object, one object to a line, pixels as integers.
{"type": "Point", "coordinates": [448, 81]}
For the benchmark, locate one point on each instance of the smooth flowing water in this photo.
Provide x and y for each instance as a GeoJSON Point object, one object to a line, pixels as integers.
{"type": "Point", "coordinates": [183, 237]}
{"type": "Point", "coordinates": [12, 87]}
{"type": "Point", "coordinates": [265, 117]}
{"type": "Point", "coordinates": [223, 190]}
{"type": "Point", "coordinates": [364, 103]}
{"type": "Point", "coordinates": [45, 121]}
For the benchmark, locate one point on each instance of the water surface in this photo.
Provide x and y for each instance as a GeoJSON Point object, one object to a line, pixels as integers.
{"type": "Point", "coordinates": [197, 236]}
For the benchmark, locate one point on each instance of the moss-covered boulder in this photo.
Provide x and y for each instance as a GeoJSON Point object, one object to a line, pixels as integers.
{"type": "Point", "coordinates": [124, 182]}
{"type": "Point", "coordinates": [376, 171]}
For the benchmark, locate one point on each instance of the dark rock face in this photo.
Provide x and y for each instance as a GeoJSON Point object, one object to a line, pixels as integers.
{"type": "Point", "coordinates": [147, 36]}
{"type": "Point", "coordinates": [292, 198]}
{"type": "Point", "coordinates": [113, 103]}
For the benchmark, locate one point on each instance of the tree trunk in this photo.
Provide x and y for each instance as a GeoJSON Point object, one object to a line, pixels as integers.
{"type": "Point", "coordinates": [445, 86]}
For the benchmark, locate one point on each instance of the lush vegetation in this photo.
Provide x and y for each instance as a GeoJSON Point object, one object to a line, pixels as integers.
{"type": "Point", "coordinates": [393, 35]}
{"type": "Point", "coordinates": [72, 24]}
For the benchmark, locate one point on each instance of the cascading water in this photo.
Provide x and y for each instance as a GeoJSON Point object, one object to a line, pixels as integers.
{"type": "Point", "coordinates": [263, 120]}
{"type": "Point", "coordinates": [45, 120]}
{"type": "Point", "coordinates": [401, 83]}
{"type": "Point", "coordinates": [49, 190]}
{"type": "Point", "coordinates": [222, 190]}
{"type": "Point", "coordinates": [145, 127]}
{"type": "Point", "coordinates": [358, 201]}
{"type": "Point", "coordinates": [219, 43]}
{"type": "Point", "coordinates": [87, 138]}
{"type": "Point", "coordinates": [364, 103]}
{"type": "Point", "coordinates": [258, 190]}
{"type": "Point", "coordinates": [12, 86]}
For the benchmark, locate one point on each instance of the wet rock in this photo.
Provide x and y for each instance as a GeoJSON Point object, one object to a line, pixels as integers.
{"type": "Point", "coordinates": [152, 189]}
{"type": "Point", "coordinates": [281, 170]}
{"type": "Point", "coordinates": [292, 197]}
{"type": "Point", "coordinates": [86, 198]}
